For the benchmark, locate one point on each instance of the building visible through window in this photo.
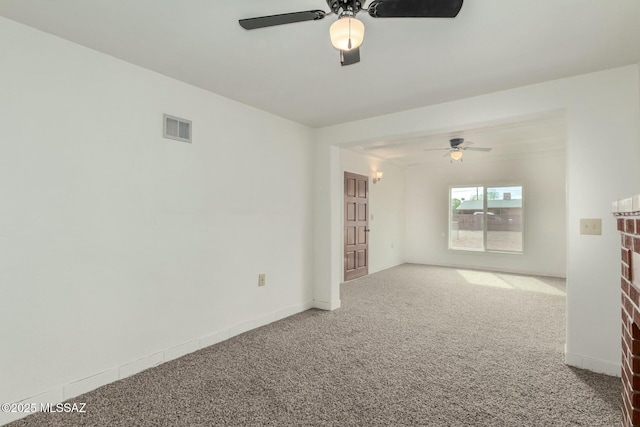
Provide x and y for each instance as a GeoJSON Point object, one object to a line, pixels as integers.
{"type": "Point", "coordinates": [486, 218]}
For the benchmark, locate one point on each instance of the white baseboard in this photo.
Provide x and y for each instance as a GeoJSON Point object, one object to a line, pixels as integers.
{"type": "Point", "coordinates": [594, 365]}
{"type": "Point", "coordinates": [140, 365]}
{"type": "Point", "coordinates": [84, 385]}
{"type": "Point", "coordinates": [326, 305]}
{"type": "Point", "coordinates": [51, 396]}
{"type": "Point", "coordinates": [214, 338]}
{"type": "Point", "coordinates": [90, 383]}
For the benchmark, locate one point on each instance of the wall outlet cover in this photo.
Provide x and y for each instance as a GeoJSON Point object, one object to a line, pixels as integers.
{"type": "Point", "coordinates": [591, 226]}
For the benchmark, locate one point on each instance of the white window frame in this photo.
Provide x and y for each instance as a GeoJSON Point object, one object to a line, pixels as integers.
{"type": "Point", "coordinates": [486, 221]}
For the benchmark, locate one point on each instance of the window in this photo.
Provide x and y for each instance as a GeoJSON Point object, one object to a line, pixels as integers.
{"type": "Point", "coordinates": [487, 219]}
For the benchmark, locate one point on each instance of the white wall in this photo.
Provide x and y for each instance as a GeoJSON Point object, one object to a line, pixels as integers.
{"type": "Point", "coordinates": [544, 213]}
{"type": "Point", "coordinates": [386, 205]}
{"type": "Point", "coordinates": [602, 111]}
{"type": "Point", "coordinates": [120, 249]}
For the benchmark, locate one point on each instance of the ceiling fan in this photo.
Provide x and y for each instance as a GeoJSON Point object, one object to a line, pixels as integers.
{"type": "Point", "coordinates": [347, 33]}
{"type": "Point", "coordinates": [457, 146]}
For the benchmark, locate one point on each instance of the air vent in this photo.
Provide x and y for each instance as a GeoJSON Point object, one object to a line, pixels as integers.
{"type": "Point", "coordinates": [177, 128]}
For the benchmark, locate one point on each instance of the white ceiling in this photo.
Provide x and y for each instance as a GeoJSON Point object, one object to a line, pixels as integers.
{"type": "Point", "coordinates": [293, 71]}
{"type": "Point", "coordinates": [526, 138]}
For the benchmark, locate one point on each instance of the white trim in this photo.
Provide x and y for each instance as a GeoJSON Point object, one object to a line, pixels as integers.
{"type": "Point", "coordinates": [90, 383]}
{"type": "Point", "coordinates": [140, 365]}
{"type": "Point", "coordinates": [328, 306]}
{"type": "Point", "coordinates": [241, 328]}
{"type": "Point", "coordinates": [214, 338]}
{"type": "Point", "coordinates": [51, 396]}
{"type": "Point", "coordinates": [75, 388]}
{"type": "Point", "coordinates": [485, 222]}
{"type": "Point", "coordinates": [594, 365]}
{"type": "Point", "coordinates": [180, 350]}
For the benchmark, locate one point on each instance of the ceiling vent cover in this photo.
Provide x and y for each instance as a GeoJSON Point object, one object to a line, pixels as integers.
{"type": "Point", "coordinates": [177, 128]}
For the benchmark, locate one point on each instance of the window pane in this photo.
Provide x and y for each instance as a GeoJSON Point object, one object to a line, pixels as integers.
{"type": "Point", "coordinates": [504, 219]}
{"type": "Point", "coordinates": [467, 219]}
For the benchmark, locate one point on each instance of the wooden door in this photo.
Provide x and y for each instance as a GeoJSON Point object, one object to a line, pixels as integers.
{"type": "Point", "coordinates": [356, 225]}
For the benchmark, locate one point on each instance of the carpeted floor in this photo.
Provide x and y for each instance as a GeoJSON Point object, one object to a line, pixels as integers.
{"type": "Point", "coordinates": [413, 345]}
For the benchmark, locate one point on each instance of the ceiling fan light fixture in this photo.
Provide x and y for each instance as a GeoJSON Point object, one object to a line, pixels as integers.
{"type": "Point", "coordinates": [347, 32]}
{"type": "Point", "coordinates": [456, 155]}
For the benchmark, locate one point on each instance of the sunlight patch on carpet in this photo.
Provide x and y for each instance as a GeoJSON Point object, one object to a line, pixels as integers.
{"type": "Point", "coordinates": [508, 281]}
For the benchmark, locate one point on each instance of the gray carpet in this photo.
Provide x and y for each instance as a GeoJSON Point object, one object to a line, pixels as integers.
{"type": "Point", "coordinates": [413, 345]}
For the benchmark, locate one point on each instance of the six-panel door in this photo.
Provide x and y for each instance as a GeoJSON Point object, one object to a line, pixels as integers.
{"type": "Point", "coordinates": [356, 225]}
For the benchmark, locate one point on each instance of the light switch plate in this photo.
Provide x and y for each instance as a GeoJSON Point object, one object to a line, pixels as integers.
{"type": "Point", "coordinates": [592, 226]}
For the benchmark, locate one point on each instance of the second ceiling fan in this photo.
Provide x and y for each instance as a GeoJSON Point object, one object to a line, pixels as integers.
{"type": "Point", "coordinates": [347, 33]}
{"type": "Point", "coordinates": [456, 147]}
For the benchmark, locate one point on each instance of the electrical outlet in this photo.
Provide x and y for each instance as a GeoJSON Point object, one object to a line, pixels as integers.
{"type": "Point", "coordinates": [262, 279]}
{"type": "Point", "coordinates": [591, 226]}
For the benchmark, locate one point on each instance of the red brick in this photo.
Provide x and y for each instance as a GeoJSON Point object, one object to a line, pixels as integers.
{"type": "Point", "coordinates": [627, 304]}
{"type": "Point", "coordinates": [626, 255]}
{"type": "Point", "coordinates": [626, 406]}
{"type": "Point", "coordinates": [634, 295]}
{"type": "Point", "coordinates": [626, 395]}
{"type": "Point", "coordinates": [635, 382]}
{"type": "Point", "coordinates": [626, 272]}
{"type": "Point", "coordinates": [626, 375]}
{"type": "Point", "coordinates": [625, 328]}
{"type": "Point", "coordinates": [635, 400]}
{"type": "Point", "coordinates": [636, 319]}
{"type": "Point", "coordinates": [627, 346]}
{"type": "Point", "coordinates": [626, 419]}
{"type": "Point", "coordinates": [626, 387]}
{"type": "Point", "coordinates": [626, 350]}
{"type": "Point", "coordinates": [630, 226]}
{"type": "Point", "coordinates": [620, 224]}
{"type": "Point", "coordinates": [635, 331]}
{"type": "Point", "coordinates": [636, 244]}
{"type": "Point", "coordinates": [635, 417]}
{"type": "Point", "coordinates": [635, 367]}
{"type": "Point", "coordinates": [624, 285]}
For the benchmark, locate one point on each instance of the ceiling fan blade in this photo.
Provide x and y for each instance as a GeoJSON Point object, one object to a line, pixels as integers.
{"type": "Point", "coordinates": [349, 57]}
{"type": "Point", "coordinates": [285, 18]}
{"type": "Point", "coordinates": [415, 8]}
{"type": "Point", "coordinates": [436, 149]}
{"type": "Point", "coordinates": [476, 148]}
